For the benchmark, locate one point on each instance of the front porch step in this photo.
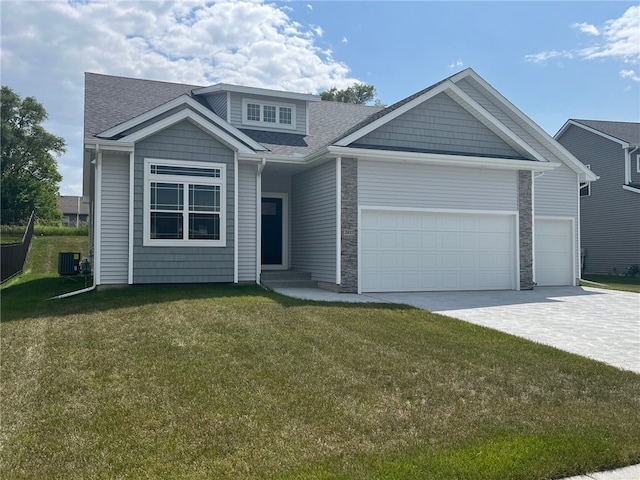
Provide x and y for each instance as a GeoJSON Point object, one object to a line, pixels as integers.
{"type": "Point", "coordinates": [287, 279]}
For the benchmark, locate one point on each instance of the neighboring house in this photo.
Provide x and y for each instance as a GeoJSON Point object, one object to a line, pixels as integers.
{"type": "Point", "coordinates": [222, 183]}
{"type": "Point", "coordinates": [74, 211]}
{"type": "Point", "coordinates": [610, 208]}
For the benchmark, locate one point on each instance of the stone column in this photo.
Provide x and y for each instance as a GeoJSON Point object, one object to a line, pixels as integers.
{"type": "Point", "coordinates": [349, 231]}
{"type": "Point", "coordinates": [525, 210]}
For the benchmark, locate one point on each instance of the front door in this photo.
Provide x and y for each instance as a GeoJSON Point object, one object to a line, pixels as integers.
{"type": "Point", "coordinates": [272, 232]}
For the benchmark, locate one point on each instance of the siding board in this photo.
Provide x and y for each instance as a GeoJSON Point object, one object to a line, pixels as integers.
{"type": "Point", "coordinates": [314, 222]}
{"type": "Point", "coordinates": [183, 141]}
{"type": "Point", "coordinates": [114, 233]}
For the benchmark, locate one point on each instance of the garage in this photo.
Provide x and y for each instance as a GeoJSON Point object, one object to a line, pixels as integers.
{"type": "Point", "coordinates": [436, 251]}
{"type": "Point", "coordinates": [553, 252]}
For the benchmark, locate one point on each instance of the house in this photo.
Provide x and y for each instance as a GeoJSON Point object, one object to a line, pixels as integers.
{"type": "Point", "coordinates": [452, 188]}
{"type": "Point", "coordinates": [74, 211]}
{"type": "Point", "coordinates": [610, 208]}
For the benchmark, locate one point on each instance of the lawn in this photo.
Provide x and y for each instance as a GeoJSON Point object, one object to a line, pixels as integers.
{"type": "Point", "coordinates": [613, 282]}
{"type": "Point", "coordinates": [236, 382]}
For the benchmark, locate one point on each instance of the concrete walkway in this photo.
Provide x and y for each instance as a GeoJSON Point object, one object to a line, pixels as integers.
{"type": "Point", "coordinates": [600, 324]}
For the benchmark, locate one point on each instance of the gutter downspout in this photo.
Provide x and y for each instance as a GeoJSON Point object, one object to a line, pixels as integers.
{"type": "Point", "coordinates": [263, 163]}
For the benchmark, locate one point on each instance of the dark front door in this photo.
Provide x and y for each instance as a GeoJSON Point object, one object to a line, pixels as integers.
{"type": "Point", "coordinates": [272, 231]}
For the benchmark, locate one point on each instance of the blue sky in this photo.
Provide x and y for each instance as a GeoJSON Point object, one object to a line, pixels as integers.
{"type": "Point", "coordinates": [553, 60]}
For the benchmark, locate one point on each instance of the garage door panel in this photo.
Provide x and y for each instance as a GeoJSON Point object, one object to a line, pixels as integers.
{"type": "Point", "coordinates": [437, 251]}
{"type": "Point", "coordinates": [553, 252]}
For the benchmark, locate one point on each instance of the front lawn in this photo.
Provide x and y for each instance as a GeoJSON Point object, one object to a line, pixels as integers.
{"type": "Point", "coordinates": [236, 382]}
{"type": "Point", "coordinates": [613, 282]}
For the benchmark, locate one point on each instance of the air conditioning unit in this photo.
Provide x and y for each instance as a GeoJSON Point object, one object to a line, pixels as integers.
{"type": "Point", "coordinates": [68, 263]}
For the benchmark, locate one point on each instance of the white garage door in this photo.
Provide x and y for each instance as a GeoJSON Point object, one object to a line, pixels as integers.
{"type": "Point", "coordinates": [554, 252]}
{"type": "Point", "coordinates": [420, 251]}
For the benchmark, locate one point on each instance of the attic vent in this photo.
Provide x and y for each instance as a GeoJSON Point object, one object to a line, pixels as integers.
{"type": "Point", "coordinates": [185, 171]}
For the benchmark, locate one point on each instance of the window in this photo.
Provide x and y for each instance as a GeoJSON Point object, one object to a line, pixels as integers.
{"type": "Point", "coordinates": [184, 203]}
{"type": "Point", "coordinates": [269, 114]}
{"type": "Point", "coordinates": [585, 188]}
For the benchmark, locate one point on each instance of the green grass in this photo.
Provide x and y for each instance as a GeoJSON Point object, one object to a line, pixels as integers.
{"type": "Point", "coordinates": [44, 230]}
{"type": "Point", "coordinates": [614, 282]}
{"type": "Point", "coordinates": [225, 381]}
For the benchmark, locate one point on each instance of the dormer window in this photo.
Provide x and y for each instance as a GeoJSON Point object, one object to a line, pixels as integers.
{"type": "Point", "coordinates": [268, 114]}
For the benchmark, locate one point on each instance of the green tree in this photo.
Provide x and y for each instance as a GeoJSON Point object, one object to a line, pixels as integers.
{"type": "Point", "coordinates": [30, 174]}
{"type": "Point", "coordinates": [358, 93]}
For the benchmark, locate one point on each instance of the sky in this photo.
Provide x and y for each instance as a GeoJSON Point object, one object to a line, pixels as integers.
{"type": "Point", "coordinates": [554, 60]}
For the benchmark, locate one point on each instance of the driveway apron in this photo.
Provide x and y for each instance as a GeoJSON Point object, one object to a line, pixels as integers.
{"type": "Point", "coordinates": [600, 324]}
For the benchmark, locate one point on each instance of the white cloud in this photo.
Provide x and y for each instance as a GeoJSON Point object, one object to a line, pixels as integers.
{"type": "Point", "coordinates": [618, 39]}
{"type": "Point", "coordinates": [587, 28]}
{"type": "Point", "coordinates": [309, 6]}
{"type": "Point", "coordinates": [46, 46]}
{"type": "Point", "coordinates": [456, 64]}
{"type": "Point", "coordinates": [344, 40]}
{"type": "Point", "coordinates": [630, 74]}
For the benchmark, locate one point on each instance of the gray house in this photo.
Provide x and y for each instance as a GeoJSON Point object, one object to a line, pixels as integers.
{"type": "Point", "coordinates": [74, 211]}
{"type": "Point", "coordinates": [610, 208]}
{"type": "Point", "coordinates": [452, 188]}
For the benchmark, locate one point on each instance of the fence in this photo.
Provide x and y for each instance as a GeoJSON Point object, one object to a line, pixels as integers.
{"type": "Point", "coordinates": [15, 254]}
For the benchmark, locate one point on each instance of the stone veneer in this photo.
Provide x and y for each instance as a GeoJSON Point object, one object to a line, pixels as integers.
{"type": "Point", "coordinates": [349, 219]}
{"type": "Point", "coordinates": [525, 210]}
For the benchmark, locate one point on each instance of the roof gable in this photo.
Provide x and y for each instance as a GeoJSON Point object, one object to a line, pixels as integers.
{"type": "Point", "coordinates": [624, 133]}
{"type": "Point", "coordinates": [422, 129]}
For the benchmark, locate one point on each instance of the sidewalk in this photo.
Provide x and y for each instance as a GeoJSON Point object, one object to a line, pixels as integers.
{"type": "Point", "coordinates": [627, 473]}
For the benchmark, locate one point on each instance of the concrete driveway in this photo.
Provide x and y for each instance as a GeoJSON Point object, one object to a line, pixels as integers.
{"type": "Point", "coordinates": [596, 323]}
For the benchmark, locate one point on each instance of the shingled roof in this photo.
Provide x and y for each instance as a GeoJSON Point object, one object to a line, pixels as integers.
{"type": "Point", "coordinates": [112, 100]}
{"type": "Point", "coordinates": [628, 132]}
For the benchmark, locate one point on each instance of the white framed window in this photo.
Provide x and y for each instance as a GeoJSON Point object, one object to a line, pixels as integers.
{"type": "Point", "coordinates": [585, 188]}
{"type": "Point", "coordinates": [268, 114]}
{"type": "Point", "coordinates": [184, 203]}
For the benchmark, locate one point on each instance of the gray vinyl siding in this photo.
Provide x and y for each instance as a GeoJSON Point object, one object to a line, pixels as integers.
{"type": "Point", "coordinates": [556, 195]}
{"type": "Point", "coordinates": [218, 104]}
{"type": "Point", "coordinates": [610, 216]}
{"type": "Point", "coordinates": [314, 222]}
{"type": "Point", "coordinates": [186, 142]}
{"type": "Point", "coordinates": [438, 125]}
{"type": "Point", "coordinates": [247, 228]}
{"type": "Point", "coordinates": [503, 114]}
{"type": "Point", "coordinates": [114, 220]}
{"type": "Point", "coordinates": [419, 186]}
{"type": "Point", "coordinates": [235, 115]}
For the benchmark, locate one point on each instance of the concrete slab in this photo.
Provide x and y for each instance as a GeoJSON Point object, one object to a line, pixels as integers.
{"type": "Point", "coordinates": [596, 323]}
{"type": "Point", "coordinates": [627, 473]}
{"type": "Point", "coordinates": [319, 295]}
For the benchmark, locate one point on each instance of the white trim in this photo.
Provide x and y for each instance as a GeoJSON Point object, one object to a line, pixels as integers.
{"type": "Point", "coordinates": [285, 229]}
{"type": "Point", "coordinates": [147, 241]}
{"type": "Point", "coordinates": [631, 189]}
{"type": "Point", "coordinates": [513, 214]}
{"type": "Point", "coordinates": [194, 118]}
{"type": "Point", "coordinates": [477, 110]}
{"type": "Point", "coordinates": [517, 250]}
{"type": "Point", "coordinates": [533, 227]}
{"type": "Point", "coordinates": [131, 206]}
{"type": "Point", "coordinates": [266, 92]}
{"type": "Point", "coordinates": [572, 221]}
{"type": "Point", "coordinates": [259, 221]}
{"type": "Point", "coordinates": [392, 115]}
{"type": "Point", "coordinates": [578, 234]}
{"type": "Point", "coordinates": [586, 185]}
{"type": "Point", "coordinates": [306, 112]}
{"type": "Point", "coordinates": [543, 136]}
{"type": "Point", "coordinates": [235, 217]}
{"type": "Point", "coordinates": [111, 145]}
{"type": "Point", "coordinates": [262, 123]}
{"type": "Point", "coordinates": [637, 163]}
{"type": "Point", "coordinates": [568, 123]}
{"type": "Point", "coordinates": [177, 102]}
{"type": "Point", "coordinates": [627, 166]}
{"type": "Point", "coordinates": [338, 220]}
{"type": "Point", "coordinates": [393, 156]}
{"type": "Point", "coordinates": [228, 116]}
{"type": "Point", "coordinates": [98, 221]}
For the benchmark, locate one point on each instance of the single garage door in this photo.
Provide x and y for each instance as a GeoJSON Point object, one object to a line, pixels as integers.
{"type": "Point", "coordinates": [425, 251]}
{"type": "Point", "coordinates": [554, 252]}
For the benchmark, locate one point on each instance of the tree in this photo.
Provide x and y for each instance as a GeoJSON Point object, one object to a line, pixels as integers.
{"type": "Point", "coordinates": [358, 93]}
{"type": "Point", "coordinates": [30, 174]}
